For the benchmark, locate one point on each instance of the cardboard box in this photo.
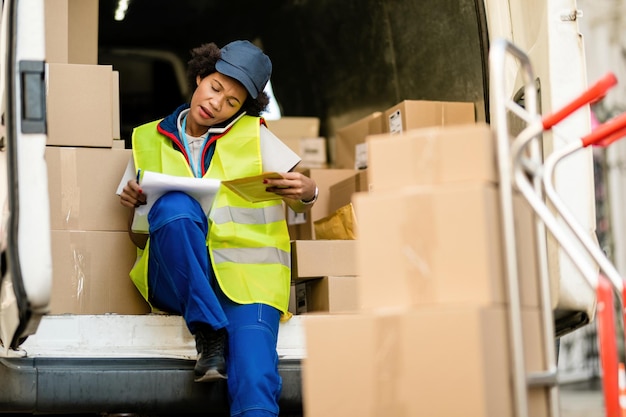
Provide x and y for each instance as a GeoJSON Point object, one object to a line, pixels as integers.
{"type": "Point", "coordinates": [415, 114]}
{"type": "Point", "coordinates": [287, 128]}
{"type": "Point", "coordinates": [349, 141]}
{"type": "Point", "coordinates": [467, 349]}
{"type": "Point", "coordinates": [90, 274]}
{"type": "Point", "coordinates": [432, 156]}
{"type": "Point", "coordinates": [341, 192]}
{"type": "Point", "coordinates": [407, 362]}
{"type": "Point", "coordinates": [320, 258]}
{"type": "Point", "coordinates": [353, 366]}
{"type": "Point", "coordinates": [79, 106]}
{"type": "Point", "coordinates": [71, 29]}
{"type": "Point", "coordinates": [432, 245]}
{"type": "Point", "coordinates": [115, 102]}
{"type": "Point", "coordinates": [82, 184]}
{"type": "Point", "coordinates": [332, 294]}
{"type": "Point", "coordinates": [324, 179]}
{"type": "Point", "coordinates": [311, 150]}
{"type": "Point", "coordinates": [297, 298]}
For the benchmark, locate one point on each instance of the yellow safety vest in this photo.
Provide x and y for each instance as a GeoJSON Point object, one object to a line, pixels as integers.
{"type": "Point", "coordinates": [248, 242]}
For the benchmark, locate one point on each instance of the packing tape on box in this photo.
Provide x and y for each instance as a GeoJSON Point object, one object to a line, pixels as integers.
{"type": "Point", "coordinates": [70, 197]}
{"type": "Point", "coordinates": [388, 363]}
{"type": "Point", "coordinates": [419, 242]}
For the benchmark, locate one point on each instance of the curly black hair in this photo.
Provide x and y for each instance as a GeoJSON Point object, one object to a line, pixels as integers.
{"type": "Point", "coordinates": [202, 63]}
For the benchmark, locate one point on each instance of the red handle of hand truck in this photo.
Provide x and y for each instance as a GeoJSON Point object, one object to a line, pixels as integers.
{"type": "Point", "coordinates": [595, 92]}
{"type": "Point", "coordinates": [609, 130]}
{"type": "Point", "coordinates": [613, 138]}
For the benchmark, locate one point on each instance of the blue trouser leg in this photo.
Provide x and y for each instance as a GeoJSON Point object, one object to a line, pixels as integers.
{"type": "Point", "coordinates": [254, 384]}
{"type": "Point", "coordinates": [179, 277]}
{"type": "Point", "coordinates": [181, 281]}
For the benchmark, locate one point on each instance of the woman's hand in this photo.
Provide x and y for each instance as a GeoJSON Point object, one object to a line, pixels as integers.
{"type": "Point", "coordinates": [296, 189]}
{"type": "Point", "coordinates": [132, 195]}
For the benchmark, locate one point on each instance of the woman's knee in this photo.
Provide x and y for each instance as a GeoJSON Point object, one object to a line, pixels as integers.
{"type": "Point", "coordinates": [175, 205]}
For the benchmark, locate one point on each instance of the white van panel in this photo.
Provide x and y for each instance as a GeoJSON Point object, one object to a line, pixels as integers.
{"type": "Point", "coordinates": [34, 222]}
{"type": "Point", "coordinates": [555, 48]}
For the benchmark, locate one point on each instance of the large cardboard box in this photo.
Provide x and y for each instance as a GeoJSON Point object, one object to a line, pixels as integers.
{"type": "Point", "coordinates": [466, 350]}
{"type": "Point", "coordinates": [71, 28]}
{"type": "Point", "coordinates": [353, 366]}
{"type": "Point", "coordinates": [333, 294]}
{"type": "Point", "coordinates": [90, 274]}
{"type": "Point", "coordinates": [79, 105]}
{"type": "Point", "coordinates": [350, 152]}
{"type": "Point", "coordinates": [409, 362]}
{"type": "Point", "coordinates": [415, 114]}
{"type": "Point", "coordinates": [320, 258]}
{"type": "Point", "coordinates": [432, 156]}
{"type": "Point", "coordinates": [82, 184]}
{"type": "Point", "coordinates": [432, 245]}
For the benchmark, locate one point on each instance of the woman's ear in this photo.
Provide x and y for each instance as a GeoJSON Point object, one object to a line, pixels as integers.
{"type": "Point", "coordinates": [198, 79]}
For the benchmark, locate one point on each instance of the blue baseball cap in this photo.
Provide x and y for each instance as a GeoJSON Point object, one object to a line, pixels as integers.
{"type": "Point", "coordinates": [247, 64]}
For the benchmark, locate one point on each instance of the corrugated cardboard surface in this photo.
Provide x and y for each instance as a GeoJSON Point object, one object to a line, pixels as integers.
{"type": "Point", "coordinates": [71, 31]}
{"type": "Point", "coordinates": [414, 114]}
{"type": "Point", "coordinates": [430, 245]}
{"type": "Point", "coordinates": [350, 136]}
{"type": "Point", "coordinates": [90, 274]}
{"type": "Point", "coordinates": [324, 178]}
{"type": "Point", "coordinates": [432, 361]}
{"type": "Point", "coordinates": [332, 294]}
{"type": "Point", "coordinates": [294, 127]}
{"type": "Point", "coordinates": [432, 156]}
{"type": "Point", "coordinates": [79, 105]}
{"type": "Point", "coordinates": [320, 258]}
{"type": "Point", "coordinates": [82, 184]}
{"type": "Point", "coordinates": [342, 191]}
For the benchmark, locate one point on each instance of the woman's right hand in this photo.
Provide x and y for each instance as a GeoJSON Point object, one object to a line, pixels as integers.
{"type": "Point", "coordinates": [132, 196]}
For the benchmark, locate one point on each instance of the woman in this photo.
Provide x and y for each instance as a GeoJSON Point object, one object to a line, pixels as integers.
{"type": "Point", "coordinates": [228, 275]}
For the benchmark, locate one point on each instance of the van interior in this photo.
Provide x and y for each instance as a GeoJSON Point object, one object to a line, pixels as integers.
{"type": "Point", "coordinates": [337, 61]}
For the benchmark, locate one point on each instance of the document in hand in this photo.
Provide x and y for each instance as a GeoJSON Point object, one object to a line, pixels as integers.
{"type": "Point", "coordinates": [252, 188]}
{"type": "Point", "coordinates": [154, 185]}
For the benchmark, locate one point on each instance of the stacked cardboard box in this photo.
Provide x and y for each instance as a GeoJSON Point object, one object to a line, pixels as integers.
{"type": "Point", "coordinates": [91, 251]}
{"type": "Point", "coordinates": [432, 312]}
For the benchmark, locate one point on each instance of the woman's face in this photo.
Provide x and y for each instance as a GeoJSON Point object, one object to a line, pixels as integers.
{"type": "Point", "coordinates": [216, 99]}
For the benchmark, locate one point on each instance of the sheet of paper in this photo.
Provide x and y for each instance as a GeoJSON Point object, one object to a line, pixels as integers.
{"type": "Point", "coordinates": [154, 185]}
{"type": "Point", "coordinates": [252, 188]}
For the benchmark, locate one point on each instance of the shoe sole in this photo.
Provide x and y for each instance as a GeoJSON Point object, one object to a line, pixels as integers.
{"type": "Point", "coordinates": [210, 376]}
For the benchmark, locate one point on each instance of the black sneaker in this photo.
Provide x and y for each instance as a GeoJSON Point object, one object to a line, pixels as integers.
{"type": "Point", "coordinates": [210, 365]}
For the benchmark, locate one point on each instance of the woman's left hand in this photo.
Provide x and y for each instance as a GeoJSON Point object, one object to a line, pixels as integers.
{"type": "Point", "coordinates": [293, 185]}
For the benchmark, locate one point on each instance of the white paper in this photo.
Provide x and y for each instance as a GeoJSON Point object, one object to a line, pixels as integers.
{"type": "Point", "coordinates": [154, 185]}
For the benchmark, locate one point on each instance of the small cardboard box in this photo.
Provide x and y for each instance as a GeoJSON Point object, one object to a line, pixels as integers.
{"type": "Point", "coordinates": [320, 258]}
{"type": "Point", "coordinates": [350, 139]}
{"type": "Point", "coordinates": [324, 178]}
{"type": "Point", "coordinates": [415, 114]}
{"type": "Point", "coordinates": [332, 294]}
{"type": "Point", "coordinates": [432, 156]}
{"type": "Point", "coordinates": [90, 274]}
{"type": "Point", "coordinates": [287, 128]}
{"type": "Point", "coordinates": [440, 245]}
{"type": "Point", "coordinates": [82, 184]}
{"type": "Point", "coordinates": [341, 192]}
{"type": "Point", "coordinates": [71, 28]}
{"type": "Point", "coordinates": [297, 298]}
{"type": "Point", "coordinates": [80, 108]}
{"type": "Point", "coordinates": [311, 150]}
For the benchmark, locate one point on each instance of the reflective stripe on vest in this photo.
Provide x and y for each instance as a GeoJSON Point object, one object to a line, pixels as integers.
{"type": "Point", "coordinates": [245, 215]}
{"type": "Point", "coordinates": [252, 256]}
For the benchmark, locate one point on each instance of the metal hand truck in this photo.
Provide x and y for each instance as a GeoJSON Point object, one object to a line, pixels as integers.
{"type": "Point", "coordinates": [521, 169]}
